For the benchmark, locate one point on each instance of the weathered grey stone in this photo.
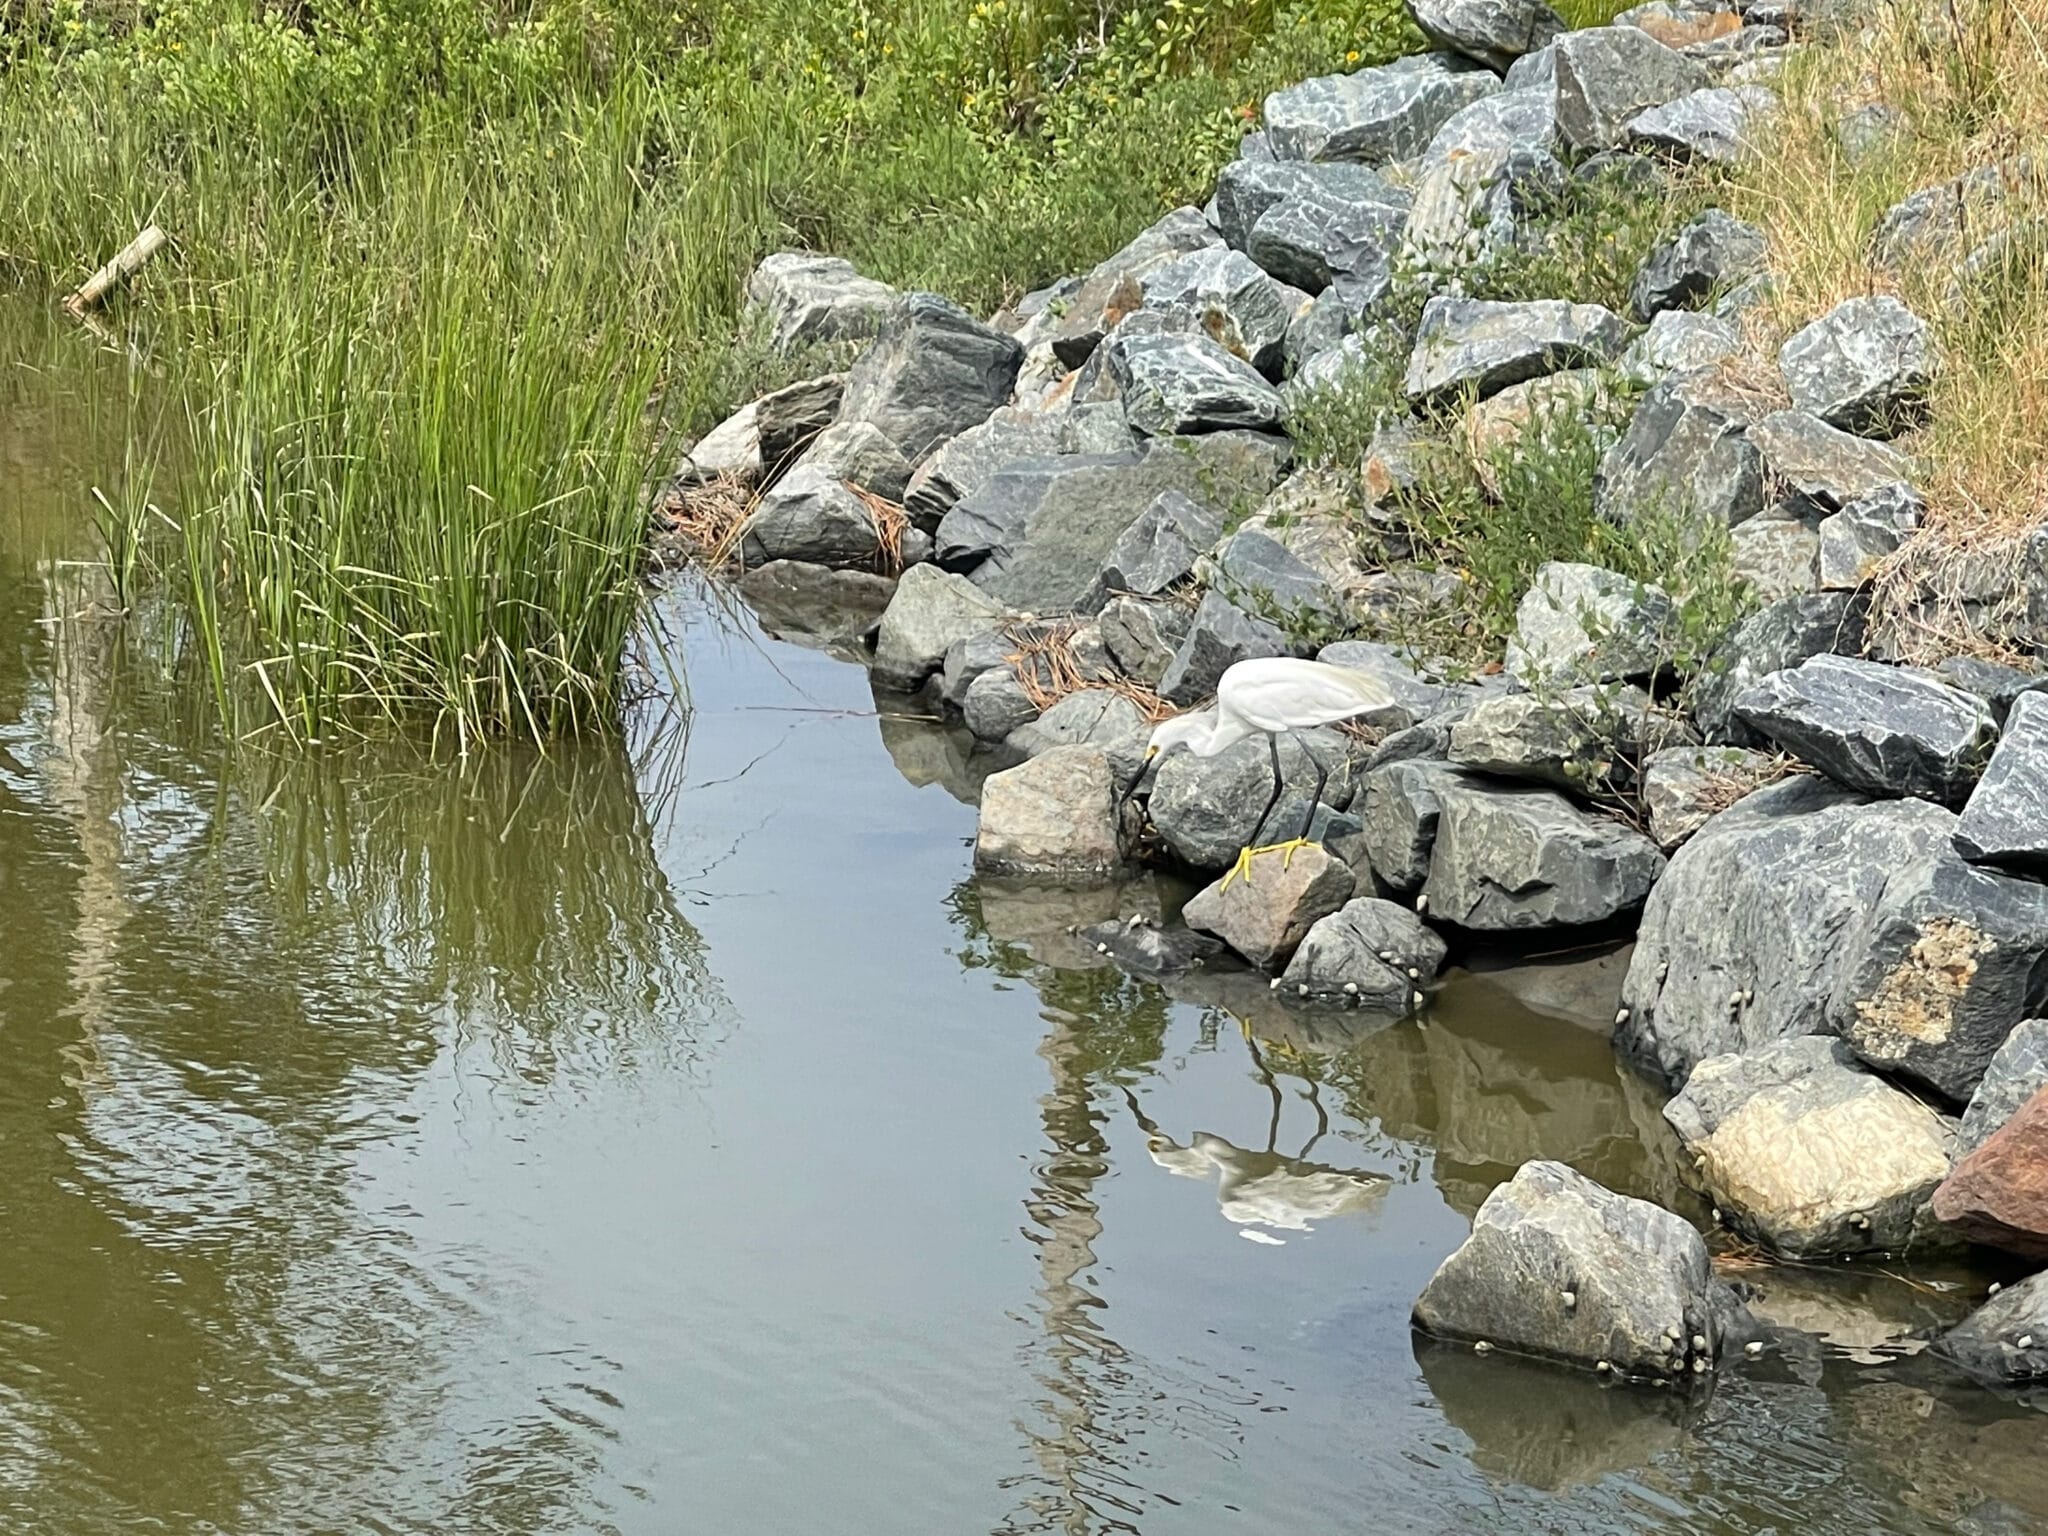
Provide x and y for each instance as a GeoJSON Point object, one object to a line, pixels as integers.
{"type": "Point", "coordinates": [1523, 420]}
{"type": "Point", "coordinates": [1883, 730]}
{"type": "Point", "coordinates": [1231, 301]}
{"type": "Point", "coordinates": [1312, 242]}
{"type": "Point", "coordinates": [1607, 76]}
{"type": "Point", "coordinates": [1686, 454]}
{"type": "Point", "coordinates": [762, 439]}
{"type": "Point", "coordinates": [1781, 634]}
{"type": "Point", "coordinates": [805, 298]}
{"type": "Point", "coordinates": [1682, 787]}
{"type": "Point", "coordinates": [1506, 120]}
{"type": "Point", "coordinates": [1143, 636]}
{"type": "Point", "coordinates": [1942, 223]}
{"type": "Point", "coordinates": [1495, 32]}
{"type": "Point", "coordinates": [1829, 467]}
{"type": "Point", "coordinates": [1942, 968]}
{"type": "Point", "coordinates": [1263, 576]}
{"type": "Point", "coordinates": [810, 515]}
{"type": "Point", "coordinates": [1716, 126]}
{"type": "Point", "coordinates": [1398, 807]}
{"type": "Point", "coordinates": [1090, 717]}
{"type": "Point", "coordinates": [1575, 739]}
{"type": "Point", "coordinates": [1584, 624]}
{"type": "Point", "coordinates": [1247, 189]}
{"type": "Point", "coordinates": [1414, 695]}
{"type": "Point", "coordinates": [968, 462]}
{"type": "Point", "coordinates": [1777, 552]}
{"type": "Point", "coordinates": [1037, 534]}
{"type": "Point", "coordinates": [1637, 1277]}
{"type": "Point", "coordinates": [1219, 635]}
{"type": "Point", "coordinates": [1387, 113]}
{"type": "Point", "coordinates": [1054, 817]}
{"type": "Point", "coordinates": [1513, 858]}
{"type": "Point", "coordinates": [1075, 325]}
{"type": "Point", "coordinates": [1864, 366]}
{"type": "Point", "coordinates": [1678, 341]}
{"type": "Point", "coordinates": [1265, 913]}
{"type": "Point", "coordinates": [2005, 1341]}
{"type": "Point", "coordinates": [1172, 385]}
{"type": "Point", "coordinates": [1857, 540]}
{"type": "Point", "coordinates": [1096, 427]}
{"type": "Point", "coordinates": [1474, 205]}
{"type": "Point", "coordinates": [996, 704]}
{"type": "Point", "coordinates": [933, 372]}
{"type": "Point", "coordinates": [1253, 793]}
{"type": "Point", "coordinates": [2006, 820]}
{"type": "Point", "coordinates": [1712, 253]}
{"type": "Point", "coordinates": [1997, 685]}
{"type": "Point", "coordinates": [1159, 550]}
{"type": "Point", "coordinates": [1810, 1155]}
{"type": "Point", "coordinates": [856, 452]}
{"type": "Point", "coordinates": [931, 610]}
{"type": "Point", "coordinates": [2017, 1071]}
{"type": "Point", "coordinates": [1140, 946]}
{"type": "Point", "coordinates": [1370, 953]}
{"type": "Point", "coordinates": [1484, 346]}
{"type": "Point", "coordinates": [815, 604]}
{"type": "Point", "coordinates": [982, 652]}
{"type": "Point", "coordinates": [1535, 71]}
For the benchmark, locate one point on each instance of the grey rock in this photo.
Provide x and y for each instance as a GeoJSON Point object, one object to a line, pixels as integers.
{"type": "Point", "coordinates": [1686, 454]}
{"type": "Point", "coordinates": [1095, 428]}
{"type": "Point", "coordinates": [2005, 1341]}
{"type": "Point", "coordinates": [997, 704]}
{"type": "Point", "coordinates": [1857, 540]}
{"type": "Point", "coordinates": [1829, 467]}
{"type": "Point", "coordinates": [1608, 76]}
{"type": "Point", "coordinates": [1942, 223]}
{"type": "Point", "coordinates": [1370, 953]}
{"type": "Point", "coordinates": [1513, 858]}
{"type": "Point", "coordinates": [1684, 787]}
{"type": "Point", "coordinates": [1714, 126]}
{"type": "Point", "coordinates": [1584, 624]}
{"type": "Point", "coordinates": [1864, 366]}
{"type": "Point", "coordinates": [856, 452]}
{"type": "Point", "coordinates": [1495, 32]}
{"type": "Point", "coordinates": [1997, 685]}
{"type": "Point", "coordinates": [1485, 346]}
{"type": "Point", "coordinates": [933, 372]}
{"type": "Point", "coordinates": [1173, 385]}
{"type": "Point", "coordinates": [1143, 636]}
{"type": "Point", "coordinates": [1054, 817]}
{"type": "Point", "coordinates": [1265, 913]}
{"type": "Point", "coordinates": [2016, 1072]}
{"type": "Point", "coordinates": [1037, 534]}
{"type": "Point", "coordinates": [1475, 205]}
{"type": "Point", "coordinates": [2006, 819]}
{"type": "Point", "coordinates": [1746, 298]}
{"type": "Point", "coordinates": [932, 609]}
{"type": "Point", "coordinates": [1871, 130]}
{"type": "Point", "coordinates": [1574, 739]}
{"type": "Point", "coordinates": [810, 515]}
{"type": "Point", "coordinates": [1141, 947]}
{"type": "Point", "coordinates": [1744, 939]}
{"type": "Point", "coordinates": [1253, 793]}
{"type": "Point", "coordinates": [814, 603]}
{"type": "Point", "coordinates": [760, 440]}
{"type": "Point", "coordinates": [968, 462]}
{"type": "Point", "coordinates": [983, 651]}
{"type": "Point", "coordinates": [1090, 717]}
{"type": "Point", "coordinates": [1076, 325]}
{"type": "Point", "coordinates": [1159, 550]}
{"type": "Point", "coordinates": [1312, 242]}
{"type": "Point", "coordinates": [1232, 302]}
{"type": "Point", "coordinates": [1712, 253]}
{"type": "Point", "coordinates": [1939, 972]}
{"type": "Point", "coordinates": [1535, 71]}
{"type": "Point", "coordinates": [1398, 808]}
{"type": "Point", "coordinates": [1778, 552]}
{"type": "Point", "coordinates": [1883, 730]}
{"type": "Point", "coordinates": [805, 298]}
{"type": "Point", "coordinates": [1678, 341]}
{"type": "Point", "coordinates": [1781, 634]}
{"type": "Point", "coordinates": [1415, 696]}
{"type": "Point", "coordinates": [1247, 189]}
{"type": "Point", "coordinates": [1506, 120]}
{"type": "Point", "coordinates": [1220, 635]}
{"type": "Point", "coordinates": [1810, 1155]}
{"type": "Point", "coordinates": [1638, 1277]}
{"type": "Point", "coordinates": [1375, 115]}
{"type": "Point", "coordinates": [1263, 576]}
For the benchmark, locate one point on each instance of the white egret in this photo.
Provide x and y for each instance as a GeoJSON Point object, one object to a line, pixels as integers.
{"type": "Point", "coordinates": [1265, 696]}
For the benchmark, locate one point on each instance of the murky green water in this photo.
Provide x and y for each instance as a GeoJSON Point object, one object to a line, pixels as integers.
{"type": "Point", "coordinates": [675, 1137]}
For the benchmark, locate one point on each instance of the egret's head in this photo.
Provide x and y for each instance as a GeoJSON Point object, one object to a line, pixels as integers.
{"type": "Point", "coordinates": [1181, 728]}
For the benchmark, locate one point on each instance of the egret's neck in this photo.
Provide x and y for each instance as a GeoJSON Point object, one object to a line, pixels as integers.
{"type": "Point", "coordinates": [1223, 733]}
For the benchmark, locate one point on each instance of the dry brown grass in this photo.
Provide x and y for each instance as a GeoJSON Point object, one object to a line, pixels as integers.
{"type": "Point", "coordinates": [1049, 669]}
{"type": "Point", "coordinates": [706, 519]}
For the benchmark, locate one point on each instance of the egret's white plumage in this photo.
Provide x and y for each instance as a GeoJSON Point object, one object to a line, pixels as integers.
{"type": "Point", "coordinates": [1271, 694]}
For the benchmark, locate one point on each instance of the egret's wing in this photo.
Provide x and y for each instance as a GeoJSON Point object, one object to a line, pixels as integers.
{"type": "Point", "coordinates": [1283, 694]}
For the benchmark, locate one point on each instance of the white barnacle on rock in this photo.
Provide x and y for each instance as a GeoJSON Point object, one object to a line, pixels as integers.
{"type": "Point", "coordinates": [2025, 1341]}
{"type": "Point", "coordinates": [1569, 1298]}
{"type": "Point", "coordinates": [1753, 1348]}
{"type": "Point", "coordinates": [1351, 988]}
{"type": "Point", "coordinates": [1620, 1017]}
{"type": "Point", "coordinates": [1481, 1347]}
{"type": "Point", "coordinates": [1699, 1342]}
{"type": "Point", "coordinates": [1422, 904]}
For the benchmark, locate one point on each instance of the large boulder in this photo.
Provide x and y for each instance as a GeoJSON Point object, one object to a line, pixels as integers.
{"type": "Point", "coordinates": [1884, 730]}
{"type": "Point", "coordinates": [1713, 126]}
{"type": "Point", "coordinates": [1399, 804]}
{"type": "Point", "coordinates": [1776, 554]}
{"type": "Point", "coordinates": [1810, 1155]}
{"type": "Point", "coordinates": [1559, 1267]}
{"type": "Point", "coordinates": [2006, 819]}
{"type": "Point", "coordinates": [1090, 717]}
{"type": "Point", "coordinates": [1575, 738]}
{"type": "Point", "coordinates": [1709, 255]}
{"type": "Point", "coordinates": [1582, 623]}
{"type": "Point", "coordinates": [1313, 242]}
{"type": "Point", "coordinates": [1231, 300]}
{"type": "Point", "coordinates": [1678, 341]}
{"type": "Point", "coordinates": [1686, 454]}
{"type": "Point", "coordinates": [933, 372]}
{"type": "Point", "coordinates": [1265, 912]}
{"type": "Point", "coordinates": [1263, 576]}
{"type": "Point", "coordinates": [1864, 366]}
{"type": "Point", "coordinates": [1472, 206]}
{"type": "Point", "coordinates": [1608, 76]}
{"type": "Point", "coordinates": [857, 453]}
{"type": "Point", "coordinates": [1855, 542]}
{"type": "Point", "coordinates": [1998, 1194]}
{"type": "Point", "coordinates": [931, 610]}
{"type": "Point", "coordinates": [1829, 467]}
{"type": "Point", "coordinates": [1507, 120]}
{"type": "Point", "coordinates": [1142, 636]}
{"type": "Point", "coordinates": [762, 439]}
{"type": "Point", "coordinates": [2005, 1341]}
{"type": "Point", "coordinates": [1075, 326]}
{"type": "Point", "coordinates": [1783, 633]}
{"type": "Point", "coordinates": [814, 604]}
{"type": "Point", "coordinates": [1171, 385]}
{"type": "Point", "coordinates": [2018, 1070]}
{"type": "Point", "coordinates": [804, 299]}
{"type": "Point", "coordinates": [1247, 189]}
{"type": "Point", "coordinates": [1054, 817]}
{"type": "Point", "coordinates": [1220, 635]}
{"type": "Point", "coordinates": [1375, 115]}
{"type": "Point", "coordinates": [1253, 793]}
{"type": "Point", "coordinates": [1495, 32]}
{"type": "Point", "coordinates": [1369, 953]}
{"type": "Point", "coordinates": [1685, 787]}
{"type": "Point", "coordinates": [1484, 346]}
{"type": "Point", "coordinates": [968, 462]}
{"type": "Point", "coordinates": [1159, 550]}
{"type": "Point", "coordinates": [810, 515]}
{"type": "Point", "coordinates": [1513, 858]}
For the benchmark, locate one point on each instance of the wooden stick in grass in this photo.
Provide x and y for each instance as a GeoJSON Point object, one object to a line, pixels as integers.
{"type": "Point", "coordinates": [132, 258]}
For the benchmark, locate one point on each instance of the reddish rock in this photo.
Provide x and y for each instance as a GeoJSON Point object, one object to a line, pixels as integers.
{"type": "Point", "coordinates": [1998, 1195]}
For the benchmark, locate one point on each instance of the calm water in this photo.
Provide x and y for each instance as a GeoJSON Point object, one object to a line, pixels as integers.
{"type": "Point", "coordinates": [675, 1137]}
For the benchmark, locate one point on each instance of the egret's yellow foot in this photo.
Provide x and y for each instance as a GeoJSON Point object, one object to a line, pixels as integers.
{"type": "Point", "coordinates": [1242, 869]}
